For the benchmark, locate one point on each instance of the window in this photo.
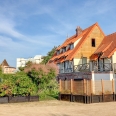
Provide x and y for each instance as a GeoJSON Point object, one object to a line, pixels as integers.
{"type": "Point", "coordinates": [71, 46]}
{"type": "Point", "coordinates": [93, 42]}
{"type": "Point", "coordinates": [84, 60]}
{"type": "Point", "coordinates": [64, 49]}
{"type": "Point", "coordinates": [61, 50]}
{"type": "Point", "coordinates": [67, 47]}
{"type": "Point", "coordinates": [58, 52]}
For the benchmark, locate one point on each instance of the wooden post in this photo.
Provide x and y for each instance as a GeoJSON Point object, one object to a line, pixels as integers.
{"type": "Point", "coordinates": [84, 89]}
{"type": "Point", "coordinates": [60, 85]}
{"type": "Point", "coordinates": [91, 85]}
{"type": "Point", "coordinates": [113, 89]}
{"type": "Point", "coordinates": [71, 85]}
{"type": "Point", "coordinates": [60, 88]}
{"type": "Point", "coordinates": [87, 91]}
{"type": "Point", "coordinates": [71, 89]}
{"type": "Point", "coordinates": [102, 84]}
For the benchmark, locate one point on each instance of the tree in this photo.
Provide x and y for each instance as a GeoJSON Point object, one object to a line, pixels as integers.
{"type": "Point", "coordinates": [49, 55]}
{"type": "Point", "coordinates": [21, 68]}
{"type": "Point", "coordinates": [44, 76]}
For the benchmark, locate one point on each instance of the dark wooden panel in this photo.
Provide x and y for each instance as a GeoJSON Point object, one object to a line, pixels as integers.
{"type": "Point", "coordinates": [65, 97]}
{"type": "Point", "coordinates": [3, 99]}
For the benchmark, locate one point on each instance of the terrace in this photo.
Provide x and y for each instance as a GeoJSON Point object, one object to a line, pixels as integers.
{"type": "Point", "coordinates": [88, 67]}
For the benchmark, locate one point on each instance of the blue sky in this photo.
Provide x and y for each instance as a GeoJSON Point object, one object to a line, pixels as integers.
{"type": "Point", "coordinates": [34, 27]}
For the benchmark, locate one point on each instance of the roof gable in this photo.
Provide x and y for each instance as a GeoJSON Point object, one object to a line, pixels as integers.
{"type": "Point", "coordinates": [70, 55]}
{"type": "Point", "coordinates": [4, 63]}
{"type": "Point", "coordinates": [83, 39]}
{"type": "Point", "coordinates": [107, 46]}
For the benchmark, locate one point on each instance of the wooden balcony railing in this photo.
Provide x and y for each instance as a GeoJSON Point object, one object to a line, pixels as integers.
{"type": "Point", "coordinates": [90, 67]}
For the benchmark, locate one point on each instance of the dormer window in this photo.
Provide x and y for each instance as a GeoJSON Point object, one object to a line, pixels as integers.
{"type": "Point", "coordinates": [71, 46]}
{"type": "Point", "coordinates": [67, 47]}
{"type": "Point", "coordinates": [93, 42]}
{"type": "Point", "coordinates": [58, 52]}
{"type": "Point", "coordinates": [64, 49]}
{"type": "Point", "coordinates": [61, 50]}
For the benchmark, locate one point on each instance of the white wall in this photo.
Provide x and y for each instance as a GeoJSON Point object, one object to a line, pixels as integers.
{"type": "Point", "coordinates": [114, 58]}
{"type": "Point", "coordinates": [77, 61]}
{"type": "Point", "coordinates": [76, 42]}
{"type": "Point", "coordinates": [103, 75]}
{"type": "Point", "coordinates": [22, 61]}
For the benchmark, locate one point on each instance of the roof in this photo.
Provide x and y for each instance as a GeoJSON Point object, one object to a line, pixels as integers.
{"type": "Point", "coordinates": [107, 46]}
{"type": "Point", "coordinates": [4, 63]}
{"type": "Point", "coordinates": [70, 54]}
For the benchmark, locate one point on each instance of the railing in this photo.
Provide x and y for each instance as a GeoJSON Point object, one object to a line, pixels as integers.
{"type": "Point", "coordinates": [68, 70]}
{"type": "Point", "coordinates": [90, 67]}
{"type": "Point", "coordinates": [103, 67]}
{"type": "Point", "coordinates": [81, 67]}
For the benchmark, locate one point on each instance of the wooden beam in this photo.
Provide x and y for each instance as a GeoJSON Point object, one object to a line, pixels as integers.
{"type": "Point", "coordinates": [84, 86]}
{"type": "Point", "coordinates": [60, 85]}
{"type": "Point", "coordinates": [102, 84]}
{"type": "Point", "coordinates": [112, 85]}
{"type": "Point", "coordinates": [71, 85]}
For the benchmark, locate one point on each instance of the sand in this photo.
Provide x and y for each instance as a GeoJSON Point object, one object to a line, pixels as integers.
{"type": "Point", "coordinates": [58, 108]}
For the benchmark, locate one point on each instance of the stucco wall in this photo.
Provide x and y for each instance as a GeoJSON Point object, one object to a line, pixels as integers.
{"type": "Point", "coordinates": [104, 76]}
{"type": "Point", "coordinates": [75, 43]}
{"type": "Point", "coordinates": [78, 61]}
{"type": "Point", "coordinates": [114, 58]}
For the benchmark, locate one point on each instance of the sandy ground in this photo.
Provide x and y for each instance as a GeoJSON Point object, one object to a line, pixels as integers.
{"type": "Point", "coordinates": [58, 108]}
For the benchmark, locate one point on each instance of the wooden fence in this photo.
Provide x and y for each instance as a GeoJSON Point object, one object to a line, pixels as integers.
{"type": "Point", "coordinates": [16, 99]}
{"type": "Point", "coordinates": [87, 91]}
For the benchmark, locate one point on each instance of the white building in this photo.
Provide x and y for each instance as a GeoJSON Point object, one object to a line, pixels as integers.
{"type": "Point", "coordinates": [21, 62]}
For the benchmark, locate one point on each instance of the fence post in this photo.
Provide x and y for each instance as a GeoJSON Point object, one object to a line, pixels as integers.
{"type": "Point", "coordinates": [87, 97]}
{"type": "Point", "coordinates": [71, 89]}
{"type": "Point", "coordinates": [113, 89]}
{"type": "Point", "coordinates": [91, 87]}
{"type": "Point", "coordinates": [84, 89]}
{"type": "Point", "coordinates": [102, 84]}
{"type": "Point", "coordinates": [60, 89]}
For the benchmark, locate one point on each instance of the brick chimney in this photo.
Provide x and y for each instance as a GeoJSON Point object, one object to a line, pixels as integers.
{"type": "Point", "coordinates": [78, 31]}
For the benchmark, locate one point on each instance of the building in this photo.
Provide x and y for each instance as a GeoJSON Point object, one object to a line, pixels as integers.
{"type": "Point", "coordinates": [21, 62]}
{"type": "Point", "coordinates": [87, 66]}
{"type": "Point", "coordinates": [78, 49]}
{"type": "Point", "coordinates": [6, 69]}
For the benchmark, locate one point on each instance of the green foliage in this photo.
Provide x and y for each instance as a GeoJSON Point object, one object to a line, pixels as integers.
{"type": "Point", "coordinates": [21, 68]}
{"type": "Point", "coordinates": [19, 84]}
{"type": "Point", "coordinates": [39, 80]}
{"type": "Point", "coordinates": [46, 82]}
{"type": "Point", "coordinates": [0, 69]}
{"type": "Point", "coordinates": [49, 55]}
{"type": "Point", "coordinates": [28, 64]}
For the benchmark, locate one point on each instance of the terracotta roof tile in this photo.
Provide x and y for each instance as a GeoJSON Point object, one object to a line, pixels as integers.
{"type": "Point", "coordinates": [107, 46]}
{"type": "Point", "coordinates": [85, 35]}
{"type": "Point", "coordinates": [71, 53]}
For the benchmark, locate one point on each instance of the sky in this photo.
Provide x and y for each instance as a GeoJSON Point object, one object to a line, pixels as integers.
{"type": "Point", "coordinates": [34, 27]}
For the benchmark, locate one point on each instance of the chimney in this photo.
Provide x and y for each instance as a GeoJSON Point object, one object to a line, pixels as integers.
{"type": "Point", "coordinates": [78, 31]}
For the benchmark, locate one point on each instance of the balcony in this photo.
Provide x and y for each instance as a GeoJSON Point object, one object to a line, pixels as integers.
{"type": "Point", "coordinates": [88, 67]}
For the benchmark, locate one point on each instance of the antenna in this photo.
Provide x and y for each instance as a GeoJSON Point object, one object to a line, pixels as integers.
{"type": "Point", "coordinates": [67, 35]}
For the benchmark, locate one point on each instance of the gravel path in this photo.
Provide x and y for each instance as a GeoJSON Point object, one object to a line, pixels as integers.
{"type": "Point", "coordinates": [58, 108]}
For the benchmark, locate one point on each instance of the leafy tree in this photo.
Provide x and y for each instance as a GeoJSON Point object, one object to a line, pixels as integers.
{"type": "Point", "coordinates": [49, 55]}
{"type": "Point", "coordinates": [21, 68]}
